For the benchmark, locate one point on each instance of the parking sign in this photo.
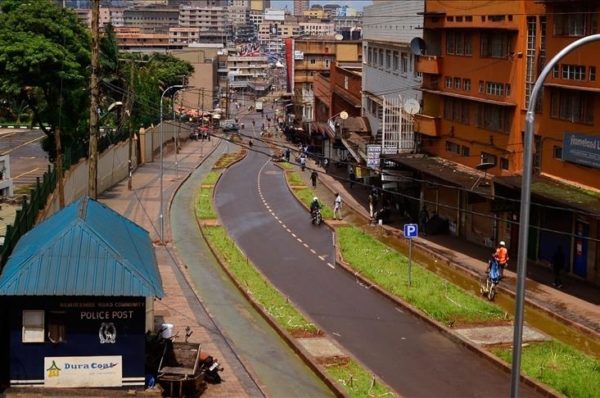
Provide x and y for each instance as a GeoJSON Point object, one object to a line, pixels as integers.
{"type": "Point", "coordinates": [411, 231]}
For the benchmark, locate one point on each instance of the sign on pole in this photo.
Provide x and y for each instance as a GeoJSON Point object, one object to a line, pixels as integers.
{"type": "Point", "coordinates": [411, 231]}
{"type": "Point", "coordinates": [373, 156]}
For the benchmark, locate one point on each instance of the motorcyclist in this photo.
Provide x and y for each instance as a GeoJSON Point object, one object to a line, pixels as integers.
{"type": "Point", "coordinates": [315, 206]}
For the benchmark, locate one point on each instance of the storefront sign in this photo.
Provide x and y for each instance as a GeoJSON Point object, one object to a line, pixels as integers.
{"type": "Point", "coordinates": [373, 156]}
{"type": "Point", "coordinates": [582, 149]}
{"type": "Point", "coordinates": [100, 371]}
{"type": "Point", "coordinates": [298, 55]}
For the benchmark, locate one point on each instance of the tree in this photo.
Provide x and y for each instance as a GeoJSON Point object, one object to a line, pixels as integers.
{"type": "Point", "coordinates": [44, 58]}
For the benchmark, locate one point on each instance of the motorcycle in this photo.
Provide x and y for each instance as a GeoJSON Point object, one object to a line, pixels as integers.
{"type": "Point", "coordinates": [317, 218]}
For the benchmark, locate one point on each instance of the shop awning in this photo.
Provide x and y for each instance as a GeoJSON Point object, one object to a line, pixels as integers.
{"type": "Point", "coordinates": [451, 172]}
{"type": "Point", "coordinates": [550, 189]}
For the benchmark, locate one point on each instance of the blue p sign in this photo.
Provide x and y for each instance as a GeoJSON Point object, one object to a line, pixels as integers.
{"type": "Point", "coordinates": [411, 231]}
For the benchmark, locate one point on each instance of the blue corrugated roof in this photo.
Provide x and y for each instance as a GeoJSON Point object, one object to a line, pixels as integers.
{"type": "Point", "coordinates": [86, 249]}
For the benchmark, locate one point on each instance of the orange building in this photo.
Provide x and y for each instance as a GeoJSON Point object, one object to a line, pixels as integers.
{"type": "Point", "coordinates": [480, 60]}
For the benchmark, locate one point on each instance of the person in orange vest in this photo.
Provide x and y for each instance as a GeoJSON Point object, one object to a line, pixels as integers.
{"type": "Point", "coordinates": [501, 256]}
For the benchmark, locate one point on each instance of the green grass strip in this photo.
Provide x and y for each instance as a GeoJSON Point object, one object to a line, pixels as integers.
{"type": "Point", "coordinates": [294, 178]}
{"type": "Point", "coordinates": [204, 206]}
{"type": "Point", "coordinates": [269, 298]}
{"type": "Point", "coordinates": [568, 371]}
{"type": "Point", "coordinates": [287, 166]}
{"type": "Point", "coordinates": [211, 178]}
{"type": "Point", "coordinates": [356, 381]}
{"type": "Point", "coordinates": [430, 293]}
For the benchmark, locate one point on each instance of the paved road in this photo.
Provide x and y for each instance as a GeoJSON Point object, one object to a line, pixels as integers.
{"type": "Point", "coordinates": [27, 158]}
{"type": "Point", "coordinates": [256, 207]}
{"type": "Point", "coordinates": [281, 373]}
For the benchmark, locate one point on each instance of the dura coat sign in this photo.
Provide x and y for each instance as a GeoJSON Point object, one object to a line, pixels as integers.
{"type": "Point", "coordinates": [92, 371]}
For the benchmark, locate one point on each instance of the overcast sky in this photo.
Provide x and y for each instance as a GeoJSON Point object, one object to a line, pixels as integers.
{"type": "Point", "coordinates": [358, 4]}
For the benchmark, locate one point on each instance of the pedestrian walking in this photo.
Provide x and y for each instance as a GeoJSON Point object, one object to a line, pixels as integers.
{"type": "Point", "coordinates": [326, 163]}
{"type": "Point", "coordinates": [352, 175]}
{"type": "Point", "coordinates": [302, 162]}
{"type": "Point", "coordinates": [371, 205]}
{"type": "Point", "coordinates": [558, 263]}
{"type": "Point", "coordinates": [313, 178]}
{"type": "Point", "coordinates": [423, 220]}
{"type": "Point", "coordinates": [287, 154]}
{"type": "Point", "coordinates": [337, 207]}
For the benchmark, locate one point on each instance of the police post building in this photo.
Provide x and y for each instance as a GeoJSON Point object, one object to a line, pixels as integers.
{"type": "Point", "coordinates": [75, 292]}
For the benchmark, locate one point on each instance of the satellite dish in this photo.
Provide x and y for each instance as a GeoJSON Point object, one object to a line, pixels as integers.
{"type": "Point", "coordinates": [339, 37]}
{"type": "Point", "coordinates": [485, 166]}
{"type": "Point", "coordinates": [411, 106]}
{"type": "Point", "coordinates": [343, 115]}
{"type": "Point", "coordinates": [417, 46]}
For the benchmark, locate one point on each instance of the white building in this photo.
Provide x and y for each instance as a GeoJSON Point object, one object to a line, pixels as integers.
{"type": "Point", "coordinates": [6, 182]}
{"type": "Point", "coordinates": [317, 28]}
{"type": "Point", "coordinates": [242, 70]}
{"type": "Point", "coordinates": [389, 74]}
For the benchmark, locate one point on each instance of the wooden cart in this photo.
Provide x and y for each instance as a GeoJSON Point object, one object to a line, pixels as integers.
{"type": "Point", "coordinates": [179, 372]}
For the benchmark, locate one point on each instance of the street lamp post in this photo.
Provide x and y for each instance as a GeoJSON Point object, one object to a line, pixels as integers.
{"type": "Point", "coordinates": [161, 216]}
{"type": "Point", "coordinates": [525, 207]}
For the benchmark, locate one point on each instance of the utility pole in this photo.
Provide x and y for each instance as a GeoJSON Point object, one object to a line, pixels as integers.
{"type": "Point", "coordinates": [93, 148]}
{"type": "Point", "coordinates": [129, 108]}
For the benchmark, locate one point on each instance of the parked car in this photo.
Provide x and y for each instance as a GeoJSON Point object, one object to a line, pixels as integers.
{"type": "Point", "coordinates": [229, 125]}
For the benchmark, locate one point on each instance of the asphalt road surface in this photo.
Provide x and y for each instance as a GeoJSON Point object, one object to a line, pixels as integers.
{"type": "Point", "coordinates": [275, 232]}
{"type": "Point", "coordinates": [27, 158]}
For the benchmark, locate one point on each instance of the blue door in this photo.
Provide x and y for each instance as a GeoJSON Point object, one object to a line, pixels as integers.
{"type": "Point", "coordinates": [580, 248]}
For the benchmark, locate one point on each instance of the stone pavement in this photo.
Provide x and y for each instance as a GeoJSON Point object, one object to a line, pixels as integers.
{"type": "Point", "coordinates": [180, 306]}
{"type": "Point", "coordinates": [578, 302]}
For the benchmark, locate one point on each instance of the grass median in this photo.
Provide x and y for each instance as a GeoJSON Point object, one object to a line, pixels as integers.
{"type": "Point", "coordinates": [430, 293]}
{"type": "Point", "coordinates": [566, 370]}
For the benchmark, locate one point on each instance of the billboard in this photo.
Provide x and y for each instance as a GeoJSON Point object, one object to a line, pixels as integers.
{"type": "Point", "coordinates": [92, 371]}
{"type": "Point", "coordinates": [298, 55]}
{"type": "Point", "coordinates": [373, 156]}
{"type": "Point", "coordinates": [581, 149]}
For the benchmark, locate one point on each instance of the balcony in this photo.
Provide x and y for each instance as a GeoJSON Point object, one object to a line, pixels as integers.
{"type": "Point", "coordinates": [428, 125]}
{"type": "Point", "coordinates": [431, 64]}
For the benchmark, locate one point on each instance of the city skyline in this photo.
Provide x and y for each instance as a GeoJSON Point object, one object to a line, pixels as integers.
{"type": "Point", "coordinates": [357, 4]}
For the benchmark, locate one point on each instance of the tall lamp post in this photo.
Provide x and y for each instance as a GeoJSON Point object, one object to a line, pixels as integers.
{"type": "Point", "coordinates": [525, 207]}
{"type": "Point", "coordinates": [161, 216]}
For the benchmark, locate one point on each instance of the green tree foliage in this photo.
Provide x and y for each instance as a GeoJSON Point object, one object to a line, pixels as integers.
{"type": "Point", "coordinates": [44, 61]}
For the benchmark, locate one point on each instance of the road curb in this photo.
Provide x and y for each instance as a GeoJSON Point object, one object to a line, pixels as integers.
{"type": "Point", "coordinates": [539, 387]}
{"type": "Point", "coordinates": [288, 338]}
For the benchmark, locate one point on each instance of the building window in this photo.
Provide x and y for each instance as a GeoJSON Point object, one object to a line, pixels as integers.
{"type": "Point", "coordinates": [457, 110]}
{"type": "Point", "coordinates": [507, 89]}
{"type": "Point", "coordinates": [56, 327]}
{"type": "Point", "coordinates": [573, 72]}
{"type": "Point", "coordinates": [493, 117]}
{"type": "Point", "coordinates": [592, 77]}
{"type": "Point", "coordinates": [370, 56]}
{"type": "Point", "coordinates": [403, 63]}
{"type": "Point", "coordinates": [452, 147]}
{"type": "Point", "coordinates": [494, 88]}
{"type": "Point", "coordinates": [555, 71]}
{"type": "Point", "coordinates": [381, 60]}
{"type": "Point", "coordinates": [395, 61]}
{"type": "Point", "coordinates": [465, 151]}
{"type": "Point", "coordinates": [488, 158]}
{"type": "Point", "coordinates": [388, 59]}
{"type": "Point", "coordinates": [375, 58]}
{"type": "Point", "coordinates": [557, 152]}
{"type": "Point", "coordinates": [458, 43]}
{"type": "Point", "coordinates": [448, 82]}
{"type": "Point", "coordinates": [481, 87]}
{"type": "Point", "coordinates": [467, 84]}
{"type": "Point", "coordinates": [569, 23]}
{"type": "Point", "coordinates": [504, 163]}
{"type": "Point", "coordinates": [495, 44]}
{"type": "Point", "coordinates": [573, 106]}
{"type": "Point", "coordinates": [313, 61]}
{"type": "Point", "coordinates": [33, 326]}
{"type": "Point", "coordinates": [457, 83]}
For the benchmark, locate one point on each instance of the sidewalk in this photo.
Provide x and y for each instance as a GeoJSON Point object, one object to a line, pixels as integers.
{"type": "Point", "coordinates": [578, 302]}
{"type": "Point", "coordinates": [180, 306]}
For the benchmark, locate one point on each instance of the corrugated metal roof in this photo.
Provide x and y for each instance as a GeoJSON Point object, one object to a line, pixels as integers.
{"type": "Point", "coordinates": [86, 249]}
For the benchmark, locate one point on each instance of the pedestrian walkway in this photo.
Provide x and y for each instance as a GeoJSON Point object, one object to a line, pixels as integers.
{"type": "Point", "coordinates": [578, 302]}
{"type": "Point", "coordinates": [180, 306]}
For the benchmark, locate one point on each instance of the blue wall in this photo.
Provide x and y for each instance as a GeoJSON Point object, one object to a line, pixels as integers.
{"type": "Point", "coordinates": [82, 324]}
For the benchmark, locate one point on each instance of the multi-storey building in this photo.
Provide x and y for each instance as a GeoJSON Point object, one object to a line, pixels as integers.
{"type": "Point", "coordinates": [151, 19]}
{"type": "Point", "coordinates": [243, 70]}
{"type": "Point", "coordinates": [259, 5]}
{"type": "Point", "coordinates": [137, 40]}
{"type": "Point", "coordinates": [480, 61]}
{"type": "Point", "coordinates": [300, 6]}
{"type": "Point", "coordinates": [211, 20]}
{"type": "Point", "coordinates": [184, 36]}
{"type": "Point", "coordinates": [309, 56]}
{"type": "Point", "coordinates": [317, 28]}
{"type": "Point", "coordinates": [389, 74]}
